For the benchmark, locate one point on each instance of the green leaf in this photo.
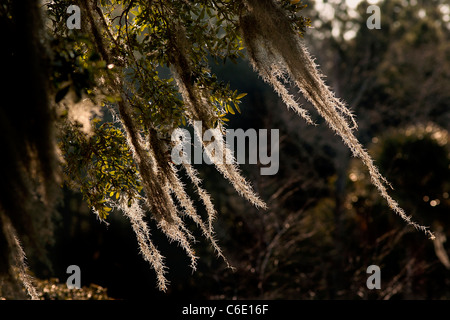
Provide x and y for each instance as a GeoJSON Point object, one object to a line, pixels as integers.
{"type": "Point", "coordinates": [241, 96]}
{"type": "Point", "coordinates": [230, 109]}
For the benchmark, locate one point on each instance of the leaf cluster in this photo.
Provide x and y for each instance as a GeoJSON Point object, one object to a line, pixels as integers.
{"type": "Point", "coordinates": [101, 166]}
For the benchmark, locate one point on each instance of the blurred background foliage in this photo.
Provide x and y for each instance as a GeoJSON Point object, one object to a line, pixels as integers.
{"type": "Point", "coordinates": [325, 223]}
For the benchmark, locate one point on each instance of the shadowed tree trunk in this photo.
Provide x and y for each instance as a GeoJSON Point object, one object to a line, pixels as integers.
{"type": "Point", "coordinates": [27, 193]}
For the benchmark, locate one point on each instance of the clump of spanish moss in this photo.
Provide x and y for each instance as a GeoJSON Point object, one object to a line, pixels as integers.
{"type": "Point", "coordinates": [277, 53]}
{"type": "Point", "coordinates": [148, 250]}
{"type": "Point", "coordinates": [200, 109]}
